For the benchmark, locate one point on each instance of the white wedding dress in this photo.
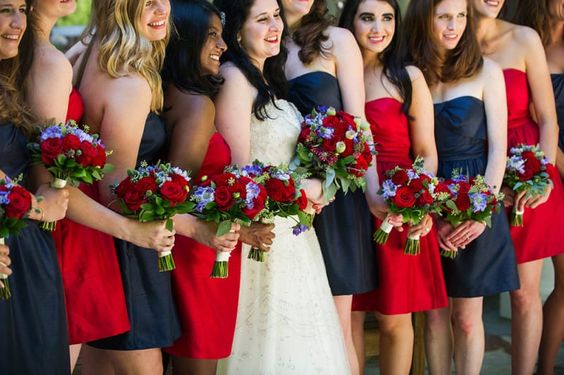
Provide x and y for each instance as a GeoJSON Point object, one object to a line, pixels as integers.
{"type": "Point", "coordinates": [287, 322]}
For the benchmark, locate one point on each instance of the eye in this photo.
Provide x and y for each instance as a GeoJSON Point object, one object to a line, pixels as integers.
{"type": "Point", "coordinates": [277, 15]}
{"type": "Point", "coordinates": [461, 15]}
{"type": "Point", "coordinates": [388, 18]}
{"type": "Point", "coordinates": [367, 18]}
{"type": "Point", "coordinates": [212, 34]}
{"type": "Point", "coordinates": [148, 3]}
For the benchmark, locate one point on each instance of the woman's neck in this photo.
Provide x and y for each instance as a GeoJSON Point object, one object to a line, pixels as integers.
{"type": "Point", "coordinates": [44, 27]}
{"type": "Point", "coordinates": [486, 29]}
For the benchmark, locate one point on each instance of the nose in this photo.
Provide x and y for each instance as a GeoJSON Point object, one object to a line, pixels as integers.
{"type": "Point", "coordinates": [222, 45]}
{"type": "Point", "coordinates": [375, 27]}
{"type": "Point", "coordinates": [450, 24]}
{"type": "Point", "coordinates": [163, 6]}
{"type": "Point", "coordinates": [18, 20]}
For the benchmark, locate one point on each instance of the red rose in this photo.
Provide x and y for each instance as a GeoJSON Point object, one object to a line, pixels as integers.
{"type": "Point", "coordinates": [100, 159]}
{"type": "Point", "coordinates": [88, 154]}
{"type": "Point", "coordinates": [463, 187]}
{"type": "Point", "coordinates": [404, 197]}
{"type": "Point", "coordinates": [302, 200]}
{"type": "Point", "coordinates": [330, 145]}
{"type": "Point", "coordinates": [50, 149]}
{"type": "Point", "coordinates": [20, 203]}
{"type": "Point", "coordinates": [173, 192]}
{"type": "Point", "coordinates": [280, 191]}
{"type": "Point", "coordinates": [400, 177]}
{"type": "Point", "coordinates": [425, 198]}
{"type": "Point", "coordinates": [224, 198]}
{"type": "Point", "coordinates": [178, 179]}
{"type": "Point", "coordinates": [146, 184]}
{"type": "Point", "coordinates": [123, 187]}
{"type": "Point", "coordinates": [416, 185]}
{"type": "Point", "coordinates": [462, 202]}
{"type": "Point", "coordinates": [349, 148]}
{"type": "Point", "coordinates": [304, 134]}
{"type": "Point", "coordinates": [71, 142]}
{"type": "Point", "coordinates": [346, 117]}
{"type": "Point", "coordinates": [360, 167]}
{"type": "Point", "coordinates": [442, 188]}
{"type": "Point", "coordinates": [134, 199]}
{"type": "Point", "coordinates": [532, 166]}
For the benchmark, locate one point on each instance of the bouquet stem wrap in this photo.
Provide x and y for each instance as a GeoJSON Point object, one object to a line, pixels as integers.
{"type": "Point", "coordinates": [413, 246]}
{"type": "Point", "coordinates": [517, 217]}
{"type": "Point", "coordinates": [5, 291]}
{"type": "Point", "coordinates": [221, 266]}
{"type": "Point", "coordinates": [382, 234]}
{"type": "Point", "coordinates": [56, 183]}
{"type": "Point", "coordinates": [166, 261]}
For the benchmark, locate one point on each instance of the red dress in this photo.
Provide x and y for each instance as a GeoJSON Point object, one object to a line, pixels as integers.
{"type": "Point", "coordinates": [207, 307]}
{"type": "Point", "coordinates": [407, 283]}
{"type": "Point", "coordinates": [94, 296]}
{"type": "Point", "coordinates": [541, 236]}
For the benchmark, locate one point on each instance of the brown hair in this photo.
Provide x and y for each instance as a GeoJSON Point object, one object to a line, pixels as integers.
{"type": "Point", "coordinates": [532, 13]}
{"type": "Point", "coordinates": [463, 61]}
{"type": "Point", "coordinates": [309, 34]}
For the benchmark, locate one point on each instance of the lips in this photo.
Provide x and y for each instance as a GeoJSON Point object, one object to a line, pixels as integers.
{"type": "Point", "coordinates": [11, 36]}
{"type": "Point", "coordinates": [158, 24]}
{"type": "Point", "coordinates": [273, 39]}
{"type": "Point", "coordinates": [492, 3]}
{"type": "Point", "coordinates": [450, 36]}
{"type": "Point", "coordinates": [376, 38]}
{"type": "Point", "coordinates": [214, 57]}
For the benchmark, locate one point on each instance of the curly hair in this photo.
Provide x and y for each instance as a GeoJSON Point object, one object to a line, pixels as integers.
{"type": "Point", "coordinates": [115, 25]}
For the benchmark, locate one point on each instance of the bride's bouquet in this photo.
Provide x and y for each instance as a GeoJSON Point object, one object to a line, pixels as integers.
{"type": "Point", "coordinates": [15, 203]}
{"type": "Point", "coordinates": [225, 199]}
{"type": "Point", "coordinates": [336, 147]}
{"type": "Point", "coordinates": [526, 170]}
{"type": "Point", "coordinates": [155, 192]}
{"type": "Point", "coordinates": [71, 155]}
{"type": "Point", "coordinates": [467, 198]}
{"type": "Point", "coordinates": [411, 193]}
{"type": "Point", "coordinates": [284, 198]}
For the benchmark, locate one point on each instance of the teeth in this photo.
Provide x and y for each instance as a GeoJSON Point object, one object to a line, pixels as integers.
{"type": "Point", "coordinates": [272, 39]}
{"type": "Point", "coordinates": [159, 23]}
{"type": "Point", "coordinates": [492, 3]}
{"type": "Point", "coordinates": [11, 37]}
{"type": "Point", "coordinates": [376, 38]}
{"type": "Point", "coordinates": [451, 36]}
{"type": "Point", "coordinates": [214, 57]}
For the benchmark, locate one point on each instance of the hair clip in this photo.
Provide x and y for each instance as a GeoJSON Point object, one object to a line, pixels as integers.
{"type": "Point", "coordinates": [222, 18]}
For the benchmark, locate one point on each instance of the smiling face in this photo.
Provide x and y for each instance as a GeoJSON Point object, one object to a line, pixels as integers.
{"type": "Point", "coordinates": [154, 19]}
{"type": "Point", "coordinates": [374, 26]}
{"type": "Point", "coordinates": [262, 31]}
{"type": "Point", "coordinates": [54, 8]}
{"type": "Point", "coordinates": [13, 21]}
{"type": "Point", "coordinates": [489, 8]}
{"type": "Point", "coordinates": [214, 48]}
{"type": "Point", "coordinates": [449, 22]}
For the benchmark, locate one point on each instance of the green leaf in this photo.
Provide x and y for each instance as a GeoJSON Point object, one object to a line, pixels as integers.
{"type": "Point", "coordinates": [223, 228]}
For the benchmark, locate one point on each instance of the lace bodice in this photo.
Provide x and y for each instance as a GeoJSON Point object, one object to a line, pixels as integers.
{"type": "Point", "coordinates": [273, 140]}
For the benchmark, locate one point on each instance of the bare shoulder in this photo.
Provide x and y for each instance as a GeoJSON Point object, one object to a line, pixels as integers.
{"type": "Point", "coordinates": [526, 37]}
{"type": "Point", "coordinates": [340, 36]}
{"type": "Point", "coordinates": [51, 61]}
{"type": "Point", "coordinates": [75, 52]}
{"type": "Point", "coordinates": [490, 72]}
{"type": "Point", "coordinates": [180, 103]}
{"type": "Point", "coordinates": [235, 79]}
{"type": "Point", "coordinates": [414, 72]}
{"type": "Point", "coordinates": [129, 90]}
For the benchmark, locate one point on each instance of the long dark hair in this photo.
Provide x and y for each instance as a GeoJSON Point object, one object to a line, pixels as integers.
{"type": "Point", "coordinates": [462, 62]}
{"type": "Point", "coordinates": [393, 57]}
{"type": "Point", "coordinates": [310, 35]}
{"type": "Point", "coordinates": [271, 83]}
{"type": "Point", "coordinates": [182, 66]}
{"type": "Point", "coordinates": [532, 13]}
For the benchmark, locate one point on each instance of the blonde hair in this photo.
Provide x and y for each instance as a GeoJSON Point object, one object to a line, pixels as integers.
{"type": "Point", "coordinates": [115, 25]}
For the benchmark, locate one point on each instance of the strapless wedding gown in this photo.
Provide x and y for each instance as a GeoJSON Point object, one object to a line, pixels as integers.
{"type": "Point", "coordinates": [287, 322]}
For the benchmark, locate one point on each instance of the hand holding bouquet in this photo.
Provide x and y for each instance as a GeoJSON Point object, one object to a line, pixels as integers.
{"type": "Point", "coordinates": [467, 198]}
{"type": "Point", "coordinates": [225, 199]}
{"type": "Point", "coordinates": [336, 147]}
{"type": "Point", "coordinates": [411, 193]}
{"type": "Point", "coordinates": [284, 198]}
{"type": "Point", "coordinates": [151, 193]}
{"type": "Point", "coordinates": [15, 203]}
{"type": "Point", "coordinates": [71, 155]}
{"type": "Point", "coordinates": [526, 171]}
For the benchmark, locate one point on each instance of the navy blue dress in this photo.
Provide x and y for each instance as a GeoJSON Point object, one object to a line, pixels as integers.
{"type": "Point", "coordinates": [344, 228]}
{"type": "Point", "coordinates": [487, 266]}
{"type": "Point", "coordinates": [558, 86]}
{"type": "Point", "coordinates": [33, 326]}
{"type": "Point", "coordinates": [151, 309]}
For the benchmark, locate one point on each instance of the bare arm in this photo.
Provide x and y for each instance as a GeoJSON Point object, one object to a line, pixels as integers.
{"type": "Point", "coordinates": [542, 94]}
{"type": "Point", "coordinates": [422, 124]}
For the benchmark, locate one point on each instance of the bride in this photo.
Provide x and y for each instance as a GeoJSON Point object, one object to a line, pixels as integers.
{"type": "Point", "coordinates": [287, 322]}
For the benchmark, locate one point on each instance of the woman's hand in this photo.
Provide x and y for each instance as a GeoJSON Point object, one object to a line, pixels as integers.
{"type": "Point", "coordinates": [5, 262]}
{"type": "Point", "coordinates": [508, 196]}
{"type": "Point", "coordinates": [379, 208]}
{"type": "Point", "coordinates": [421, 229]}
{"type": "Point", "coordinates": [444, 229]}
{"type": "Point", "coordinates": [313, 188]}
{"type": "Point", "coordinates": [258, 235]}
{"type": "Point", "coordinates": [537, 200]}
{"type": "Point", "coordinates": [152, 235]}
{"type": "Point", "coordinates": [205, 232]}
{"type": "Point", "coordinates": [53, 204]}
{"type": "Point", "coordinates": [466, 233]}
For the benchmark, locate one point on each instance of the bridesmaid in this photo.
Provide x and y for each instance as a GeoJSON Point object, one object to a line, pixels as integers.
{"type": "Point", "coordinates": [470, 132]}
{"type": "Point", "coordinates": [547, 18]}
{"type": "Point", "coordinates": [207, 307]}
{"type": "Point", "coordinates": [5, 262]}
{"type": "Point", "coordinates": [519, 52]}
{"type": "Point", "coordinates": [324, 67]}
{"type": "Point", "coordinates": [399, 108]}
{"type": "Point", "coordinates": [121, 88]}
{"type": "Point", "coordinates": [34, 333]}
{"type": "Point", "coordinates": [94, 297]}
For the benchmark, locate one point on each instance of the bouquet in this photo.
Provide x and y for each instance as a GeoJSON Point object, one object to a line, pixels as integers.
{"type": "Point", "coordinates": [70, 154]}
{"type": "Point", "coordinates": [336, 147]}
{"type": "Point", "coordinates": [284, 198]}
{"type": "Point", "coordinates": [526, 170]}
{"type": "Point", "coordinates": [225, 199]}
{"type": "Point", "coordinates": [15, 203]}
{"type": "Point", "coordinates": [411, 193]}
{"type": "Point", "coordinates": [155, 192]}
{"type": "Point", "coordinates": [467, 198]}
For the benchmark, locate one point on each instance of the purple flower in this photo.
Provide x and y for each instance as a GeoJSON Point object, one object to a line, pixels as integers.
{"type": "Point", "coordinates": [253, 191]}
{"type": "Point", "coordinates": [51, 132]}
{"type": "Point", "coordinates": [299, 229]}
{"type": "Point", "coordinates": [4, 197]}
{"type": "Point", "coordinates": [325, 133]}
{"type": "Point", "coordinates": [389, 189]}
{"type": "Point", "coordinates": [479, 201]}
{"type": "Point", "coordinates": [203, 195]}
{"type": "Point", "coordinates": [254, 169]}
